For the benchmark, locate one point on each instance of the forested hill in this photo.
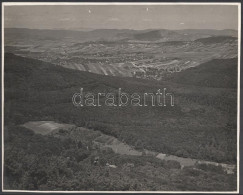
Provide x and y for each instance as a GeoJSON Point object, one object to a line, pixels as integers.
{"type": "Point", "coordinates": [218, 73]}
{"type": "Point", "coordinates": [38, 91]}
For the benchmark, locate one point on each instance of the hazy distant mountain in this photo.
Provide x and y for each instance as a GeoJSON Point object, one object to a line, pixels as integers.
{"type": "Point", "coordinates": [12, 34]}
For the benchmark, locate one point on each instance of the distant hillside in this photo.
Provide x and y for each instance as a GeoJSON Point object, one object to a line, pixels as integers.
{"type": "Point", "coordinates": [208, 32]}
{"type": "Point", "coordinates": [148, 36]}
{"type": "Point", "coordinates": [80, 36]}
{"type": "Point", "coordinates": [216, 39]}
{"type": "Point", "coordinates": [221, 73]}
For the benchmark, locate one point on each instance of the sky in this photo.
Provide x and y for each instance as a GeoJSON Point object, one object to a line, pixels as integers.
{"type": "Point", "coordinates": [81, 17]}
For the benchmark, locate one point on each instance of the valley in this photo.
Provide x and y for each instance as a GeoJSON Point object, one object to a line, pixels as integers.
{"type": "Point", "coordinates": [126, 53]}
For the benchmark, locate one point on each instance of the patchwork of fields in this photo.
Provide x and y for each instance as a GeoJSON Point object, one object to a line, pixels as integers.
{"type": "Point", "coordinates": [128, 57]}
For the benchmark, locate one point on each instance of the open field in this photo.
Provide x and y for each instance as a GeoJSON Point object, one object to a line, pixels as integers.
{"type": "Point", "coordinates": [45, 127]}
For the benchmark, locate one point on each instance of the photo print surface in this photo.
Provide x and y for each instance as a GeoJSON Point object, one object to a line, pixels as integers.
{"type": "Point", "coordinates": [120, 97]}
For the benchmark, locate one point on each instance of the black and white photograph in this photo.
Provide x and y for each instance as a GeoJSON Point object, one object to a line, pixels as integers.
{"type": "Point", "coordinates": [120, 97]}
